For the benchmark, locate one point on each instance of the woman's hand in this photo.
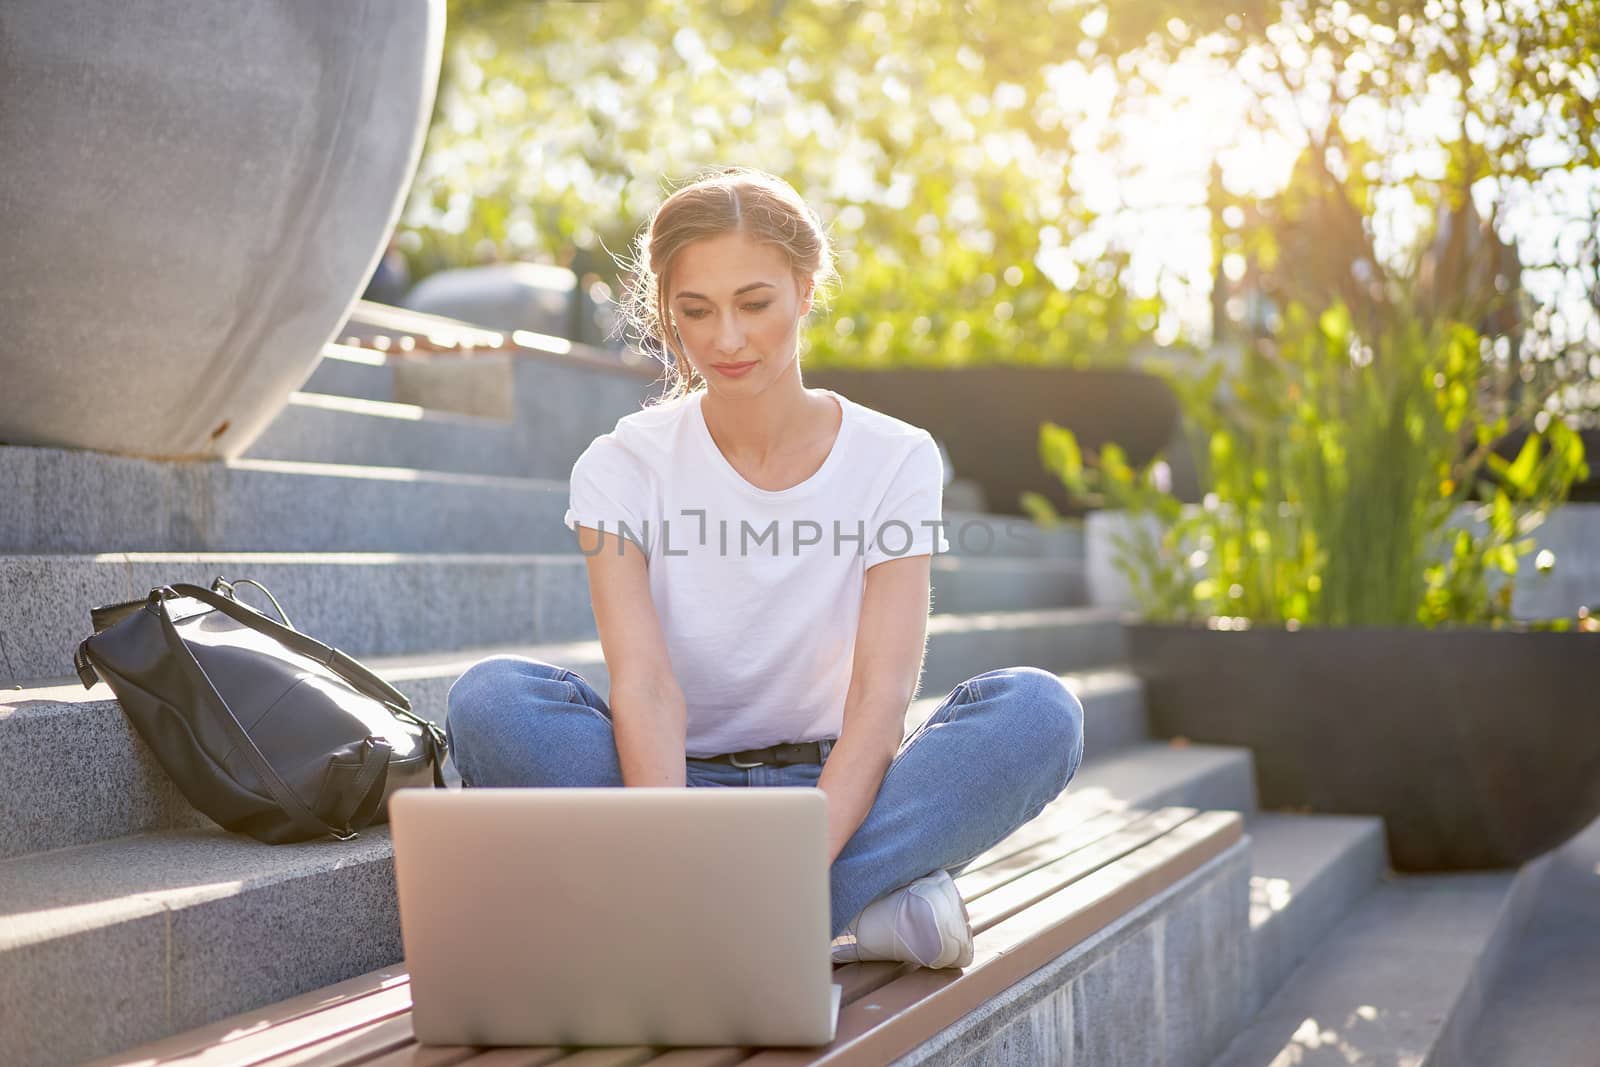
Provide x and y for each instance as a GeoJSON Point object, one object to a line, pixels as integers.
{"type": "Point", "coordinates": [854, 771]}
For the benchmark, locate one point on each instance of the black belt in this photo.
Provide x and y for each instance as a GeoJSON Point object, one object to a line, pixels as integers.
{"type": "Point", "coordinates": [808, 752]}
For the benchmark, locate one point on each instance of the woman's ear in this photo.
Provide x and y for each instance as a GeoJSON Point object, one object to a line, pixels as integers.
{"type": "Point", "coordinates": [808, 287]}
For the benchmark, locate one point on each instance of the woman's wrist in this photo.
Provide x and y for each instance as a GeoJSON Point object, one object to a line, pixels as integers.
{"type": "Point", "coordinates": [650, 736]}
{"type": "Point", "coordinates": [851, 778]}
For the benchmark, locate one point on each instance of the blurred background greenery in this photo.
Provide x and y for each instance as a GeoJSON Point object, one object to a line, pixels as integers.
{"type": "Point", "coordinates": [1068, 183]}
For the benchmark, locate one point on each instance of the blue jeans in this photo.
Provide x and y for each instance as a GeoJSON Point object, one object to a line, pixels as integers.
{"type": "Point", "coordinates": [999, 748]}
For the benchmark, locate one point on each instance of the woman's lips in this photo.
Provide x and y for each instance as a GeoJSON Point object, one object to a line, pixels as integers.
{"type": "Point", "coordinates": [733, 370]}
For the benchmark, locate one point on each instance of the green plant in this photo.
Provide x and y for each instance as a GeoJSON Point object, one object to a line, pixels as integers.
{"type": "Point", "coordinates": [1339, 466]}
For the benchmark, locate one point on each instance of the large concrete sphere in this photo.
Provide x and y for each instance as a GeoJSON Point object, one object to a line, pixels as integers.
{"type": "Point", "coordinates": [192, 195]}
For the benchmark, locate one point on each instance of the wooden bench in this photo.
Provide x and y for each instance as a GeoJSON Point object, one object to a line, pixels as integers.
{"type": "Point", "coordinates": [1054, 883]}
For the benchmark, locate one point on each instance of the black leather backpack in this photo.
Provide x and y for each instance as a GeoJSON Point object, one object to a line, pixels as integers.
{"type": "Point", "coordinates": [264, 729]}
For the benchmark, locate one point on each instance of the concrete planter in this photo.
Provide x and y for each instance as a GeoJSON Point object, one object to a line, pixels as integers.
{"type": "Point", "coordinates": [192, 197]}
{"type": "Point", "coordinates": [1478, 748]}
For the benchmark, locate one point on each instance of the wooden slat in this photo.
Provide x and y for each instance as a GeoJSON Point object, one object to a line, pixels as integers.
{"type": "Point", "coordinates": [1037, 850]}
{"type": "Point", "coordinates": [452, 1055]}
{"type": "Point", "coordinates": [1055, 820]}
{"type": "Point", "coordinates": [185, 1047]}
{"type": "Point", "coordinates": [898, 1017]}
{"type": "Point", "coordinates": [415, 1055]}
{"type": "Point", "coordinates": [703, 1057]}
{"type": "Point", "coordinates": [1014, 897]}
{"type": "Point", "coordinates": [859, 979]}
{"type": "Point", "coordinates": [528, 1056]}
{"type": "Point", "coordinates": [1063, 815]}
{"type": "Point", "coordinates": [276, 1039]}
{"type": "Point", "coordinates": [629, 1056]}
{"type": "Point", "coordinates": [353, 1046]}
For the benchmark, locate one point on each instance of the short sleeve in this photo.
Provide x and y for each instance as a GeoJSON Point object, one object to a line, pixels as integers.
{"type": "Point", "coordinates": [609, 493]}
{"type": "Point", "coordinates": [910, 521]}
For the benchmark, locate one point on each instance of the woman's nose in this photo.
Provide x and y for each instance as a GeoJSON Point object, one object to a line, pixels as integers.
{"type": "Point", "coordinates": [730, 336]}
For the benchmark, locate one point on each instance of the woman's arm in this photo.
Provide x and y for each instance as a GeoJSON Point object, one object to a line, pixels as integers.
{"type": "Point", "coordinates": [887, 665]}
{"type": "Point", "coordinates": [649, 722]}
{"type": "Point", "coordinates": [648, 715]}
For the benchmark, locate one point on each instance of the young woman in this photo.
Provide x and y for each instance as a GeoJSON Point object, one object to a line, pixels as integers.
{"type": "Point", "coordinates": [759, 559]}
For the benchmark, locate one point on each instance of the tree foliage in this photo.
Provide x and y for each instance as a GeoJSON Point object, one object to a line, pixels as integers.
{"type": "Point", "coordinates": [925, 135]}
{"type": "Point", "coordinates": [943, 144]}
{"type": "Point", "coordinates": [1451, 162]}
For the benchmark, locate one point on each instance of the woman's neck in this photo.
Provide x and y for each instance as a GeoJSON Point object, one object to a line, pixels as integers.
{"type": "Point", "coordinates": [765, 427]}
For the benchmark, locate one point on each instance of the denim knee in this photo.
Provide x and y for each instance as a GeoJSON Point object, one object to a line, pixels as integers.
{"type": "Point", "coordinates": [482, 688]}
{"type": "Point", "coordinates": [1056, 713]}
{"type": "Point", "coordinates": [519, 721]}
{"type": "Point", "coordinates": [1070, 745]}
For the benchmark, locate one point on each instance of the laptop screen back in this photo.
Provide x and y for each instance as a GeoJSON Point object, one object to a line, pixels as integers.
{"type": "Point", "coordinates": [615, 916]}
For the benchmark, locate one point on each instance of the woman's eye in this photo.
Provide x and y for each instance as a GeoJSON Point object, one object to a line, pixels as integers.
{"type": "Point", "coordinates": [757, 307]}
{"type": "Point", "coordinates": [697, 313]}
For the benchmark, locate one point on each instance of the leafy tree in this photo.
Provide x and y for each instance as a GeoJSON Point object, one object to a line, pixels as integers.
{"type": "Point", "coordinates": [944, 183]}
{"type": "Point", "coordinates": [942, 142]}
{"type": "Point", "coordinates": [1480, 117]}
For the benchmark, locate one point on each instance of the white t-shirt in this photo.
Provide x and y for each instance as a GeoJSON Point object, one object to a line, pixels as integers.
{"type": "Point", "coordinates": [759, 592]}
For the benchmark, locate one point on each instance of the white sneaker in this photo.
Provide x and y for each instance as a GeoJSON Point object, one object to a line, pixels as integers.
{"type": "Point", "coordinates": [923, 923]}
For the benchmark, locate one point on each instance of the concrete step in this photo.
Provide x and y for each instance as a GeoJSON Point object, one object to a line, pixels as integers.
{"type": "Point", "coordinates": [1057, 639]}
{"type": "Point", "coordinates": [978, 533]}
{"type": "Point", "coordinates": [354, 372]}
{"type": "Point", "coordinates": [980, 583]}
{"type": "Point", "coordinates": [1381, 987]}
{"type": "Point", "coordinates": [965, 494]}
{"type": "Point", "coordinates": [77, 772]}
{"type": "Point", "coordinates": [61, 500]}
{"type": "Point", "coordinates": [364, 603]}
{"type": "Point", "coordinates": [317, 428]}
{"type": "Point", "coordinates": [113, 944]}
{"type": "Point", "coordinates": [481, 384]}
{"type": "Point", "coordinates": [1113, 707]}
{"type": "Point", "coordinates": [1535, 1001]}
{"type": "Point", "coordinates": [554, 403]}
{"type": "Point", "coordinates": [1307, 872]}
{"type": "Point", "coordinates": [1157, 774]}
{"type": "Point", "coordinates": [71, 500]}
{"type": "Point", "coordinates": [386, 604]}
{"type": "Point", "coordinates": [475, 384]}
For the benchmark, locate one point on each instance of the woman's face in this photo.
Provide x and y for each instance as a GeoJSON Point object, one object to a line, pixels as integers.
{"type": "Point", "coordinates": [737, 306]}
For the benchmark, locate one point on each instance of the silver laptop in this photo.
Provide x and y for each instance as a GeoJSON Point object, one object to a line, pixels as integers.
{"type": "Point", "coordinates": [616, 916]}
